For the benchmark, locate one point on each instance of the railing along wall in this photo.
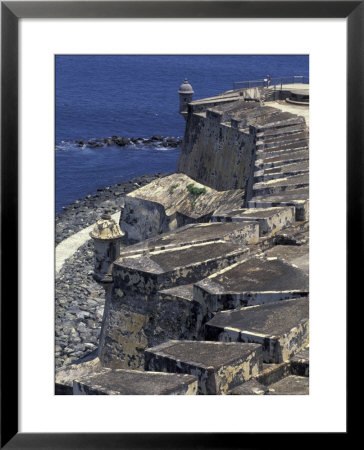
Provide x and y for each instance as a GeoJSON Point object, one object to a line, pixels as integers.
{"type": "Point", "coordinates": [271, 82]}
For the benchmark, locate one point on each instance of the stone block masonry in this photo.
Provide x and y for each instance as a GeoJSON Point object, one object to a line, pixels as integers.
{"type": "Point", "coordinates": [130, 382]}
{"type": "Point", "coordinates": [216, 154]}
{"type": "Point", "coordinates": [235, 233]}
{"type": "Point", "coordinates": [256, 281]}
{"type": "Point", "coordinates": [270, 220]}
{"type": "Point", "coordinates": [281, 328]}
{"type": "Point", "coordinates": [215, 285]}
{"type": "Point", "coordinates": [172, 202]}
{"type": "Point", "coordinates": [218, 366]}
{"type": "Point", "coordinates": [134, 312]}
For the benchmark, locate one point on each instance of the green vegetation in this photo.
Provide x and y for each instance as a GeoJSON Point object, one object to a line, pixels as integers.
{"type": "Point", "coordinates": [172, 188]}
{"type": "Point", "coordinates": [195, 192]}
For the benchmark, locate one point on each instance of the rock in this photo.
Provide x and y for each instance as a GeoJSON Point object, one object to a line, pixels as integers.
{"type": "Point", "coordinates": [122, 141]}
{"type": "Point", "coordinates": [157, 137]}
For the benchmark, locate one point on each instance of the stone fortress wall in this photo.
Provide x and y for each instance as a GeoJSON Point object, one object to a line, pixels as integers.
{"type": "Point", "coordinates": [211, 295]}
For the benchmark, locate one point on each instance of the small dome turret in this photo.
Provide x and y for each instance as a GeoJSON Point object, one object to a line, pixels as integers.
{"type": "Point", "coordinates": [106, 235]}
{"type": "Point", "coordinates": [106, 228]}
{"type": "Point", "coordinates": [185, 88]}
{"type": "Point", "coordinates": [185, 92]}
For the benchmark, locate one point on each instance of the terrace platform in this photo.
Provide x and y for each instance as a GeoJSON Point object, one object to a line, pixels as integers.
{"type": "Point", "coordinates": [253, 282]}
{"type": "Point", "coordinates": [132, 382]}
{"type": "Point", "coordinates": [281, 328]}
{"type": "Point", "coordinates": [218, 366]}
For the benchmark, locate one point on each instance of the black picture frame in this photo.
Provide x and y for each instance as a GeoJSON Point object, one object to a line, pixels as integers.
{"type": "Point", "coordinates": [11, 12]}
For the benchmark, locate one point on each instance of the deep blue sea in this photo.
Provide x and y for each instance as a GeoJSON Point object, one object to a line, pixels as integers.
{"type": "Point", "coordinates": [100, 96]}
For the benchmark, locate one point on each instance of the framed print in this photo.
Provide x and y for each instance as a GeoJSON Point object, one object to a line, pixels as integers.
{"type": "Point", "coordinates": [54, 51]}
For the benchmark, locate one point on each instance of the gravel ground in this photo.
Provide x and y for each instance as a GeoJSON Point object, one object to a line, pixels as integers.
{"type": "Point", "coordinates": [79, 300]}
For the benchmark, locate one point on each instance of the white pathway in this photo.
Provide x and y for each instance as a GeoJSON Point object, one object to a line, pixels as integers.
{"type": "Point", "coordinates": [67, 248]}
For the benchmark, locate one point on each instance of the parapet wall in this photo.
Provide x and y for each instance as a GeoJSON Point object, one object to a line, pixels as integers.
{"type": "Point", "coordinates": [214, 153]}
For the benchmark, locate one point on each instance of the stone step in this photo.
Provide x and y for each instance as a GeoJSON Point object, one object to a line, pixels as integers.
{"type": "Point", "coordinates": [270, 220]}
{"type": "Point", "coordinates": [219, 366]}
{"type": "Point", "coordinates": [282, 149]}
{"type": "Point", "coordinates": [276, 186]}
{"type": "Point", "coordinates": [291, 385]}
{"type": "Point", "coordinates": [292, 236]}
{"type": "Point", "coordinates": [132, 382]}
{"type": "Point", "coordinates": [281, 121]}
{"type": "Point", "coordinates": [281, 327]}
{"type": "Point", "coordinates": [162, 269]}
{"type": "Point", "coordinates": [238, 233]}
{"type": "Point", "coordinates": [297, 198]}
{"type": "Point", "coordinates": [287, 170]}
{"type": "Point", "coordinates": [285, 131]}
{"type": "Point", "coordinates": [296, 255]}
{"type": "Point", "coordinates": [300, 363]}
{"type": "Point", "coordinates": [178, 314]}
{"type": "Point", "coordinates": [259, 385]}
{"type": "Point", "coordinates": [253, 282]}
{"type": "Point", "coordinates": [272, 373]}
{"type": "Point", "coordinates": [283, 159]}
{"type": "Point", "coordinates": [281, 140]}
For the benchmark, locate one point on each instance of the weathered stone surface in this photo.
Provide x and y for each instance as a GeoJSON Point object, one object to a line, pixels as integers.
{"type": "Point", "coordinates": [283, 120]}
{"type": "Point", "coordinates": [251, 387]}
{"type": "Point", "coordinates": [171, 202]}
{"type": "Point", "coordinates": [209, 144]}
{"type": "Point", "coordinates": [295, 235]}
{"type": "Point", "coordinates": [236, 233]}
{"type": "Point", "coordinates": [132, 318]}
{"type": "Point", "coordinates": [280, 185]}
{"type": "Point", "coordinates": [218, 366]}
{"type": "Point", "coordinates": [300, 363]}
{"type": "Point", "coordinates": [178, 315]}
{"type": "Point", "coordinates": [272, 373]}
{"type": "Point", "coordinates": [179, 265]}
{"type": "Point", "coordinates": [270, 220]}
{"type": "Point", "coordinates": [65, 375]}
{"type": "Point", "coordinates": [158, 293]}
{"type": "Point", "coordinates": [252, 282]}
{"type": "Point", "coordinates": [124, 335]}
{"type": "Point", "coordinates": [286, 170]}
{"type": "Point", "coordinates": [296, 255]}
{"type": "Point", "coordinates": [286, 131]}
{"type": "Point", "coordinates": [278, 140]}
{"type": "Point", "coordinates": [130, 382]}
{"type": "Point", "coordinates": [276, 161]}
{"type": "Point", "coordinates": [291, 385]}
{"type": "Point", "coordinates": [297, 198]}
{"type": "Point", "coordinates": [281, 328]}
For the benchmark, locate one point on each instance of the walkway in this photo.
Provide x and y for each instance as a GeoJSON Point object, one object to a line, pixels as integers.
{"type": "Point", "coordinates": [69, 246]}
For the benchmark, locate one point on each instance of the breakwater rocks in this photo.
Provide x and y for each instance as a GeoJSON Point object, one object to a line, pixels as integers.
{"type": "Point", "coordinates": [122, 141]}
{"type": "Point", "coordinates": [79, 307]}
{"type": "Point", "coordinates": [84, 212]}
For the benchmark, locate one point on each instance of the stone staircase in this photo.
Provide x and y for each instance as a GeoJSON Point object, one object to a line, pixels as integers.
{"type": "Point", "coordinates": [220, 307]}
{"type": "Point", "coordinates": [281, 175]}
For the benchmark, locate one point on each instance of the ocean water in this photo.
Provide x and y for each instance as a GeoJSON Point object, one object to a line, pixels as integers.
{"type": "Point", "coordinates": [100, 96]}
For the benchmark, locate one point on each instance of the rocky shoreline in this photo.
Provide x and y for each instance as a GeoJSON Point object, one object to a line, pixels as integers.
{"type": "Point", "coordinates": [79, 300]}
